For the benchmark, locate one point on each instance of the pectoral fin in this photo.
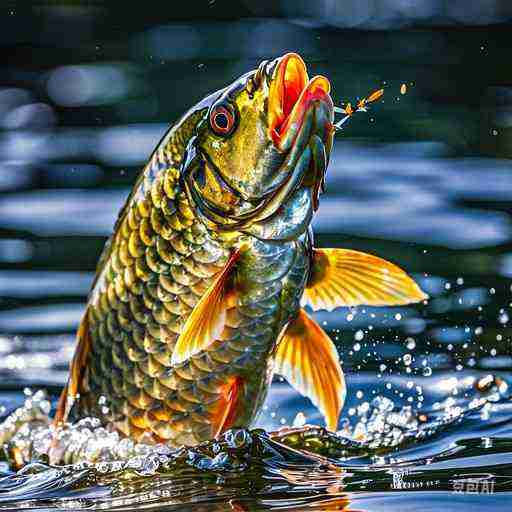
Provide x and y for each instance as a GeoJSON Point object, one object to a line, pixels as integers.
{"type": "Point", "coordinates": [207, 320]}
{"type": "Point", "coordinates": [308, 359]}
{"type": "Point", "coordinates": [76, 372]}
{"type": "Point", "coordinates": [342, 277]}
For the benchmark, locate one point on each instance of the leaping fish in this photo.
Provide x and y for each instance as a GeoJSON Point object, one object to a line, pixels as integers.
{"type": "Point", "coordinates": [199, 293]}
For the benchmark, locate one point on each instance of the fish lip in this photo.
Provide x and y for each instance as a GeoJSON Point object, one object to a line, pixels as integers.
{"type": "Point", "coordinates": [291, 93]}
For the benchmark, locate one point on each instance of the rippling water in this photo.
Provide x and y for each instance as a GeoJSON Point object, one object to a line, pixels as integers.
{"type": "Point", "coordinates": [422, 181]}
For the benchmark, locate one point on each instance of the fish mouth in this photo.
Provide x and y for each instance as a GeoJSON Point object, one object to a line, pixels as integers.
{"type": "Point", "coordinates": [291, 95]}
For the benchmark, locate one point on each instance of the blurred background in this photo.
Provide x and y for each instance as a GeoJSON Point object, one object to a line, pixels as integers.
{"type": "Point", "coordinates": [424, 179]}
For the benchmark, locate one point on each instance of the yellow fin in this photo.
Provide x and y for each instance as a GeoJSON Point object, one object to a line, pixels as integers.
{"type": "Point", "coordinates": [225, 414]}
{"type": "Point", "coordinates": [342, 277]}
{"type": "Point", "coordinates": [76, 372]}
{"type": "Point", "coordinates": [208, 318]}
{"type": "Point", "coordinates": [308, 359]}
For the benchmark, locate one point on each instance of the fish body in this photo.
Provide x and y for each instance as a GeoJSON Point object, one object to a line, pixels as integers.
{"type": "Point", "coordinates": [197, 298]}
{"type": "Point", "coordinates": [157, 269]}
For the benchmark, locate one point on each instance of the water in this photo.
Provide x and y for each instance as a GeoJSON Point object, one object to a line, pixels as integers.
{"type": "Point", "coordinates": [423, 180]}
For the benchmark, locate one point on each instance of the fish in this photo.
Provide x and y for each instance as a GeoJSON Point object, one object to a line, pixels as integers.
{"type": "Point", "coordinates": [200, 293]}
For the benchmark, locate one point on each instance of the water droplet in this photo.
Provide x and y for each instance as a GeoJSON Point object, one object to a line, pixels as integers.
{"type": "Point", "coordinates": [427, 371]}
{"type": "Point", "coordinates": [410, 343]}
{"type": "Point", "coordinates": [299, 420]}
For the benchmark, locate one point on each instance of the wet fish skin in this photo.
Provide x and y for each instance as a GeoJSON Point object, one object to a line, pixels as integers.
{"type": "Point", "coordinates": [159, 262]}
{"type": "Point", "coordinates": [197, 300]}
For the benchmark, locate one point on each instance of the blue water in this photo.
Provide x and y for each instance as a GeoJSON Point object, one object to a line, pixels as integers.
{"type": "Point", "coordinates": [424, 180]}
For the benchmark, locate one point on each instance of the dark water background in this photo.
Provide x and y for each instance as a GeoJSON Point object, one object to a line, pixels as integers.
{"type": "Point", "coordinates": [424, 180]}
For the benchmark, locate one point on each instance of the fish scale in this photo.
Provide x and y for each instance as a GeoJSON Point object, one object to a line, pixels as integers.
{"type": "Point", "coordinates": [199, 291]}
{"type": "Point", "coordinates": [155, 268]}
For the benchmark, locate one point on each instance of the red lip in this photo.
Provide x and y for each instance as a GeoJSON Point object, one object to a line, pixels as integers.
{"type": "Point", "coordinates": [291, 93]}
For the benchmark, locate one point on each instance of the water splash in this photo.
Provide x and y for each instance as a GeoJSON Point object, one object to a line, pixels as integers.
{"type": "Point", "coordinates": [302, 468]}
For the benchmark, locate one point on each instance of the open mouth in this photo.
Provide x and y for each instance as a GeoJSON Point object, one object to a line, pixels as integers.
{"type": "Point", "coordinates": [291, 93]}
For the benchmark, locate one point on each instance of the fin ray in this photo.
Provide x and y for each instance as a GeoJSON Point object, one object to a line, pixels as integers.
{"type": "Point", "coordinates": [225, 414]}
{"type": "Point", "coordinates": [76, 372]}
{"type": "Point", "coordinates": [343, 277]}
{"type": "Point", "coordinates": [208, 318]}
{"type": "Point", "coordinates": [308, 359]}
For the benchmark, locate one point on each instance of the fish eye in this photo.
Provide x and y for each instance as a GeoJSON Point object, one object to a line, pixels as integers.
{"type": "Point", "coordinates": [222, 119]}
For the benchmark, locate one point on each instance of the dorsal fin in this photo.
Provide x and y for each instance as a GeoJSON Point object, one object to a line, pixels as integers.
{"type": "Point", "coordinates": [343, 277]}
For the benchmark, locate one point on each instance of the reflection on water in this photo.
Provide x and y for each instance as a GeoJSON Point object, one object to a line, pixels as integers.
{"type": "Point", "coordinates": [424, 180]}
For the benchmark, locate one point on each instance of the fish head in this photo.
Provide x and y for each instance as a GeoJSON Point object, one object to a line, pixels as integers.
{"type": "Point", "coordinates": [261, 138]}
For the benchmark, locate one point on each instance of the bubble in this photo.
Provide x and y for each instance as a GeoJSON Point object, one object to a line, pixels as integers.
{"type": "Point", "coordinates": [299, 420]}
{"type": "Point", "coordinates": [427, 371]}
{"type": "Point", "coordinates": [150, 465]}
{"type": "Point", "coordinates": [383, 404]}
{"type": "Point", "coordinates": [359, 335]}
{"type": "Point", "coordinates": [237, 438]}
{"type": "Point", "coordinates": [363, 408]}
{"type": "Point", "coordinates": [357, 347]}
{"type": "Point", "coordinates": [407, 358]}
{"type": "Point", "coordinates": [410, 343]}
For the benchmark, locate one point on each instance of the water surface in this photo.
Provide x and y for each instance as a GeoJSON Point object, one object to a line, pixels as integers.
{"type": "Point", "coordinates": [425, 180]}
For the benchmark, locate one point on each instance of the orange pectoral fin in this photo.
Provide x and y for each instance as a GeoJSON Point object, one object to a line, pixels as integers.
{"type": "Point", "coordinates": [342, 277]}
{"type": "Point", "coordinates": [76, 371]}
{"type": "Point", "coordinates": [309, 361]}
{"type": "Point", "coordinates": [225, 413]}
{"type": "Point", "coordinates": [208, 318]}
